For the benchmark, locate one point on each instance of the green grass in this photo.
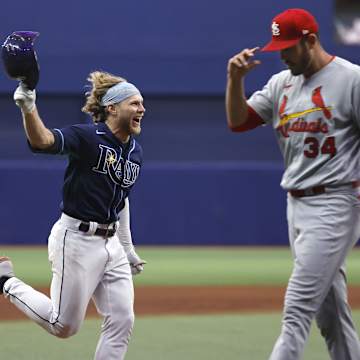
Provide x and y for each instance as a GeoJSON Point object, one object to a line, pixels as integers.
{"type": "Point", "coordinates": [237, 336]}
{"type": "Point", "coordinates": [189, 265]}
{"type": "Point", "coordinates": [224, 337]}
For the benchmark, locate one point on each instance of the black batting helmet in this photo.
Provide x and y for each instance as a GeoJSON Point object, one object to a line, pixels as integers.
{"type": "Point", "coordinates": [19, 57]}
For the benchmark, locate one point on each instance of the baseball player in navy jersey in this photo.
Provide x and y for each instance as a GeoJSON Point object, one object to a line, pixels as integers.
{"type": "Point", "coordinates": [90, 247]}
{"type": "Point", "coordinates": [314, 109]}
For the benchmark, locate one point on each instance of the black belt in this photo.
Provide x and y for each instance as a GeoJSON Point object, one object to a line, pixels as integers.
{"type": "Point", "coordinates": [104, 232]}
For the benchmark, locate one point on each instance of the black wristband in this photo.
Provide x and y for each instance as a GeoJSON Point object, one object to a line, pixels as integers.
{"type": "Point", "coordinates": [3, 280]}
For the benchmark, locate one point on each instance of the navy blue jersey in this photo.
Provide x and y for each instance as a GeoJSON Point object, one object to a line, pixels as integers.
{"type": "Point", "coordinates": [100, 173]}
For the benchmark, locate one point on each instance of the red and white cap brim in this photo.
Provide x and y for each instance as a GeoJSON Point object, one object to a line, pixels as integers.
{"type": "Point", "coordinates": [276, 45]}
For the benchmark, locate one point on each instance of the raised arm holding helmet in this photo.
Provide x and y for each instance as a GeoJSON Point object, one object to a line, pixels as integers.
{"type": "Point", "coordinates": [90, 247]}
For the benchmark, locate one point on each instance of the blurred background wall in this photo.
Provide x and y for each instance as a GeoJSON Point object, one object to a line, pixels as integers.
{"type": "Point", "coordinates": [200, 184]}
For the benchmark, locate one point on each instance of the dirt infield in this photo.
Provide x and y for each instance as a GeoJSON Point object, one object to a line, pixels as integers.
{"type": "Point", "coordinates": [157, 300]}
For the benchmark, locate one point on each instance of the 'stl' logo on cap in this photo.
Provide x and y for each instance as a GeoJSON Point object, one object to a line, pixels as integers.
{"type": "Point", "coordinates": [275, 29]}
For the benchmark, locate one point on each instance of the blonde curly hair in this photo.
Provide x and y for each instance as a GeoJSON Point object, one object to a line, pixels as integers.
{"type": "Point", "coordinates": [100, 81]}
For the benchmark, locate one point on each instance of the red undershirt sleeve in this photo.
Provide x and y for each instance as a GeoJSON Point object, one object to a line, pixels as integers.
{"type": "Point", "coordinates": [253, 121]}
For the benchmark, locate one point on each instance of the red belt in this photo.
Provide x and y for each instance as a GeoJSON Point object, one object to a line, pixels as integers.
{"type": "Point", "coordinates": [317, 190]}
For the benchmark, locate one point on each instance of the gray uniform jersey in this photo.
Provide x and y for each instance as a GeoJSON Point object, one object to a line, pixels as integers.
{"type": "Point", "coordinates": [317, 123]}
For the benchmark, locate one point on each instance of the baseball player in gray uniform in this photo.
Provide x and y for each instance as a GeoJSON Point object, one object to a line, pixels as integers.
{"type": "Point", "coordinates": [314, 109]}
{"type": "Point", "coordinates": [90, 247]}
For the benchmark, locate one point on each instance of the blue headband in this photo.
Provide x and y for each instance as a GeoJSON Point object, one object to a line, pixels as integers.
{"type": "Point", "coordinates": [118, 93]}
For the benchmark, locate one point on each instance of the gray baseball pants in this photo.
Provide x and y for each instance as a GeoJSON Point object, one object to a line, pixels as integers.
{"type": "Point", "coordinates": [322, 231]}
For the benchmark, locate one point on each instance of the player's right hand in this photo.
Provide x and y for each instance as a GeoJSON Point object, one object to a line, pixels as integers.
{"type": "Point", "coordinates": [25, 98]}
{"type": "Point", "coordinates": [242, 63]}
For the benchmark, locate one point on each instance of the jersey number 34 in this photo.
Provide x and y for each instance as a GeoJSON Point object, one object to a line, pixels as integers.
{"type": "Point", "coordinates": [314, 148]}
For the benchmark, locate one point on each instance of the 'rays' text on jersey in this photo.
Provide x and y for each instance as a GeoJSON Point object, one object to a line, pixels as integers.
{"type": "Point", "coordinates": [122, 172]}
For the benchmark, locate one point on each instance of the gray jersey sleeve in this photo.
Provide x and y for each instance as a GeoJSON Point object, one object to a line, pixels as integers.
{"type": "Point", "coordinates": [264, 100]}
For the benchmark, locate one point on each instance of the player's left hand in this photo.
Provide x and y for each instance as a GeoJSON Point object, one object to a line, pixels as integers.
{"type": "Point", "coordinates": [136, 263]}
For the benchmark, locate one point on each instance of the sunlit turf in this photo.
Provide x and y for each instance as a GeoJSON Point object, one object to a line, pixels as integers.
{"type": "Point", "coordinates": [189, 265]}
{"type": "Point", "coordinates": [237, 336]}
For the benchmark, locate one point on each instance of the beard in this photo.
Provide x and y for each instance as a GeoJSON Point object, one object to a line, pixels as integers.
{"type": "Point", "coordinates": [303, 64]}
{"type": "Point", "coordinates": [129, 129]}
{"type": "Point", "coordinates": [136, 130]}
{"type": "Point", "coordinates": [295, 71]}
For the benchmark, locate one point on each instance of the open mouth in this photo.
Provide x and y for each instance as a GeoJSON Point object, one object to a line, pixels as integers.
{"type": "Point", "coordinates": [137, 121]}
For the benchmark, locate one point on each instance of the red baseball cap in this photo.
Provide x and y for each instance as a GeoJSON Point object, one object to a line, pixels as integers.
{"type": "Point", "coordinates": [289, 27]}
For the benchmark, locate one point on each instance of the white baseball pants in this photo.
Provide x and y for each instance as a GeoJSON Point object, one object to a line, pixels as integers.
{"type": "Point", "coordinates": [84, 266]}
